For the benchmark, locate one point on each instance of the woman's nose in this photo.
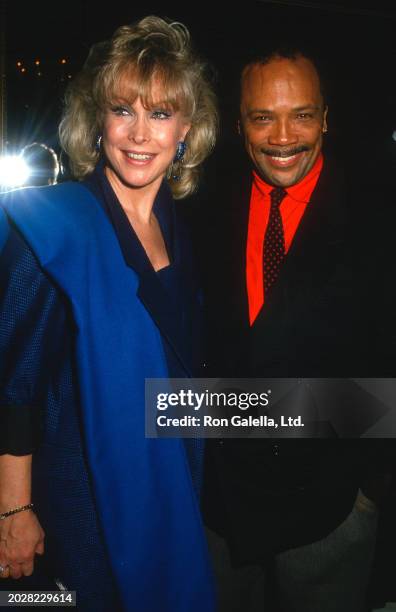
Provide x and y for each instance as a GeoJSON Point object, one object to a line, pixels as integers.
{"type": "Point", "coordinates": [139, 131]}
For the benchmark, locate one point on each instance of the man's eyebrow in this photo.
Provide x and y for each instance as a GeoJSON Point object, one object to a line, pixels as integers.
{"type": "Point", "coordinates": [263, 111]}
{"type": "Point", "coordinates": [298, 109]}
{"type": "Point", "coordinates": [307, 107]}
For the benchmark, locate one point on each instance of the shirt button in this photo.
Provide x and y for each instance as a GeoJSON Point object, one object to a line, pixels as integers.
{"type": "Point", "coordinates": [275, 449]}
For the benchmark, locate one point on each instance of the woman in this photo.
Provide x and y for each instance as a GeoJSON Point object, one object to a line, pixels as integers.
{"type": "Point", "coordinates": [96, 297]}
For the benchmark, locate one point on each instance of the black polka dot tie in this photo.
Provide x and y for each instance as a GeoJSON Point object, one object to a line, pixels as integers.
{"type": "Point", "coordinates": [274, 241]}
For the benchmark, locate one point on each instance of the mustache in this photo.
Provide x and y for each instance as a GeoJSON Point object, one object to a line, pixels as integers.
{"type": "Point", "coordinates": [285, 152]}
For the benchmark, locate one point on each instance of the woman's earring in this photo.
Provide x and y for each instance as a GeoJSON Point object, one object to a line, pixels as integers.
{"type": "Point", "coordinates": [98, 143]}
{"type": "Point", "coordinates": [180, 151]}
{"type": "Point", "coordinates": [176, 167]}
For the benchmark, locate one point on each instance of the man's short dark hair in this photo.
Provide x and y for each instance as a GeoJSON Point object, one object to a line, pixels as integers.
{"type": "Point", "coordinates": [290, 52]}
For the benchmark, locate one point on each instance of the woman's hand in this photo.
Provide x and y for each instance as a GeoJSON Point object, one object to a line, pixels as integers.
{"type": "Point", "coordinates": [21, 535]}
{"type": "Point", "coordinates": [21, 538]}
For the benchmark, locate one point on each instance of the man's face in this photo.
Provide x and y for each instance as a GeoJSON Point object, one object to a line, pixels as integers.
{"type": "Point", "coordinates": [282, 118]}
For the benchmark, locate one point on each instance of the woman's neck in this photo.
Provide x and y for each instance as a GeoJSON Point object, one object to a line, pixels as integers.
{"type": "Point", "coordinates": [137, 202]}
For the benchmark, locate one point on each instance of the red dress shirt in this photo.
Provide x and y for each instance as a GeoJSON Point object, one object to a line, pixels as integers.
{"type": "Point", "coordinates": [292, 209]}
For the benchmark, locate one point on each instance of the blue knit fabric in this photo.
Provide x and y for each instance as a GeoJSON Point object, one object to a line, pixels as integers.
{"type": "Point", "coordinates": [26, 310]}
{"type": "Point", "coordinates": [36, 367]}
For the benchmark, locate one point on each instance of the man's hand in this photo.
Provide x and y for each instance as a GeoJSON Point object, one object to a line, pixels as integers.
{"type": "Point", "coordinates": [21, 538]}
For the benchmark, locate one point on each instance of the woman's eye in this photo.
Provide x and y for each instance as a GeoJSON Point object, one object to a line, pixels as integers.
{"type": "Point", "coordinates": [159, 114]}
{"type": "Point", "coordinates": [121, 111]}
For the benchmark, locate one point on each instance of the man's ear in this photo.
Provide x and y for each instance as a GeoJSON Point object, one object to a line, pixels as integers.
{"type": "Point", "coordinates": [324, 127]}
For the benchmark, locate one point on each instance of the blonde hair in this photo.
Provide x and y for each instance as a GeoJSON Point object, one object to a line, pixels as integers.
{"type": "Point", "coordinates": [152, 49]}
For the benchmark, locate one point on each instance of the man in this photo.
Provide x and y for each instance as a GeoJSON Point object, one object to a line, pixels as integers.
{"type": "Point", "coordinates": [283, 306]}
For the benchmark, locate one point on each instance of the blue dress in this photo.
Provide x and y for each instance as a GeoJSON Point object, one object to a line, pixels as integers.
{"type": "Point", "coordinates": [84, 320]}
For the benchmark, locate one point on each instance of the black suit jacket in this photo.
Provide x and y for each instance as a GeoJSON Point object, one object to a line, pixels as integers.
{"type": "Point", "coordinates": [270, 495]}
{"type": "Point", "coordinates": [310, 314]}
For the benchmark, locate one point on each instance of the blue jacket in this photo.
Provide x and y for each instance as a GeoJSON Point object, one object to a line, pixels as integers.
{"type": "Point", "coordinates": [128, 499]}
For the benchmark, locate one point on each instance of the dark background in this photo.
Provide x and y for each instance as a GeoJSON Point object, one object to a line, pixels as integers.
{"type": "Point", "coordinates": [353, 41]}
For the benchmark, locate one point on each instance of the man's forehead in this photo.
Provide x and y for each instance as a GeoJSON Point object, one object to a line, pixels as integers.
{"type": "Point", "coordinates": [279, 74]}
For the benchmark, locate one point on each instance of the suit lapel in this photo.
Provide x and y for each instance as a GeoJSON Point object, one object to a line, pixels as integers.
{"type": "Point", "coordinates": [151, 290]}
{"type": "Point", "coordinates": [317, 244]}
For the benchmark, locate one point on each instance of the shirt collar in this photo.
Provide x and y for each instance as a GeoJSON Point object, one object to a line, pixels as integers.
{"type": "Point", "coordinates": [301, 192]}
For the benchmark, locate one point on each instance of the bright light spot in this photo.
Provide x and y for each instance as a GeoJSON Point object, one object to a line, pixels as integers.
{"type": "Point", "coordinates": [37, 62]}
{"type": "Point", "coordinates": [394, 135]}
{"type": "Point", "coordinates": [63, 61]}
{"type": "Point", "coordinates": [19, 64]}
{"type": "Point", "coordinates": [23, 69]}
{"type": "Point", "coordinates": [14, 171]}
